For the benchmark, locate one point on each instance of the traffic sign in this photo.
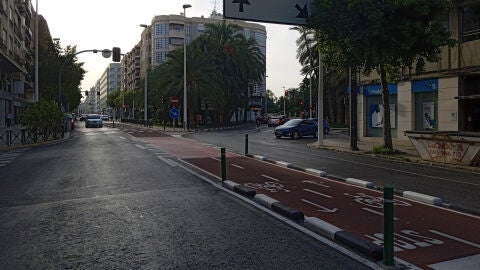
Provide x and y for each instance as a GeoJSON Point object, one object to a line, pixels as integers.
{"type": "Point", "coordinates": [174, 100]}
{"type": "Point", "coordinates": [293, 12]}
{"type": "Point", "coordinates": [174, 113]}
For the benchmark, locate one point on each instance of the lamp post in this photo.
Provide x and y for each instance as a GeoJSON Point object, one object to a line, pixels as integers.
{"type": "Point", "coordinates": [284, 97]}
{"type": "Point", "coordinates": [145, 60]}
{"type": "Point", "coordinates": [185, 65]}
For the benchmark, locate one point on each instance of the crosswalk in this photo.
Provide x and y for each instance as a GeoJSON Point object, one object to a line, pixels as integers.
{"type": "Point", "coordinates": [6, 158]}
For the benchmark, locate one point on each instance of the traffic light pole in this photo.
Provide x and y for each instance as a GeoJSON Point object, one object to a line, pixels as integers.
{"type": "Point", "coordinates": [105, 53]}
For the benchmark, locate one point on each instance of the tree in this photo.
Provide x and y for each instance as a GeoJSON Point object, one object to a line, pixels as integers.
{"type": "Point", "coordinates": [384, 36]}
{"type": "Point", "coordinates": [49, 62]}
{"type": "Point", "coordinates": [221, 65]}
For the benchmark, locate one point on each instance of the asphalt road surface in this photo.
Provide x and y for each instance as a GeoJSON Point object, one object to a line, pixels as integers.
{"type": "Point", "coordinates": [106, 200]}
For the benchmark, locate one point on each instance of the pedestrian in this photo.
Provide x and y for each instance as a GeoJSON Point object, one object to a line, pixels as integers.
{"type": "Point", "coordinates": [9, 119]}
{"type": "Point", "coordinates": [257, 122]}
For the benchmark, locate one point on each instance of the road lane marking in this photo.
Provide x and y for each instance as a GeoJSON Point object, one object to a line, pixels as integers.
{"type": "Point", "coordinates": [318, 193]}
{"type": "Point", "coordinates": [168, 161]}
{"type": "Point", "coordinates": [271, 178]}
{"type": "Point", "coordinates": [322, 208]}
{"type": "Point", "coordinates": [315, 183]}
{"type": "Point", "coordinates": [455, 238]}
{"type": "Point", "coordinates": [376, 212]}
{"type": "Point", "coordinates": [122, 138]}
{"type": "Point", "coordinates": [240, 167]}
{"type": "Point", "coordinates": [217, 159]}
{"type": "Point", "coordinates": [139, 146]}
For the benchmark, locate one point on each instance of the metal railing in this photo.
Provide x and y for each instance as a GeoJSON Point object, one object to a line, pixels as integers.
{"type": "Point", "coordinates": [10, 137]}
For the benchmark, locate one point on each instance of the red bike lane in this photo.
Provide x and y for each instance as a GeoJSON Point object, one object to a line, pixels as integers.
{"type": "Point", "coordinates": [426, 236]}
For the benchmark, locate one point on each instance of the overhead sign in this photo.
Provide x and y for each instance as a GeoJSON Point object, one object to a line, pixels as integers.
{"type": "Point", "coordinates": [293, 12]}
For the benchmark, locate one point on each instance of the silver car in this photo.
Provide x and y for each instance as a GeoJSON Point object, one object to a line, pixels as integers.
{"type": "Point", "coordinates": [93, 120]}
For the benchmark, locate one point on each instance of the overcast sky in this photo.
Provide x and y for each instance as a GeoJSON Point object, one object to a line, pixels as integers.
{"type": "Point", "coordinates": [103, 24]}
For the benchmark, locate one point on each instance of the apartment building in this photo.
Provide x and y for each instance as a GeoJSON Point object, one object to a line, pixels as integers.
{"type": "Point", "coordinates": [169, 32]}
{"type": "Point", "coordinates": [109, 81]}
{"type": "Point", "coordinates": [16, 39]}
{"type": "Point", "coordinates": [445, 97]}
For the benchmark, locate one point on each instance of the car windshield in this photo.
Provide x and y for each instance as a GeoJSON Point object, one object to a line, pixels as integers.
{"type": "Point", "coordinates": [93, 116]}
{"type": "Point", "coordinates": [292, 123]}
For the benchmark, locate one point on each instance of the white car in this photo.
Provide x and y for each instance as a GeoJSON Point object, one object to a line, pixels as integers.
{"type": "Point", "coordinates": [93, 120]}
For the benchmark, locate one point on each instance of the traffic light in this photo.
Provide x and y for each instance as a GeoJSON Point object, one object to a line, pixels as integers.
{"type": "Point", "coordinates": [86, 93]}
{"type": "Point", "coordinates": [286, 92]}
{"type": "Point", "coordinates": [116, 54]}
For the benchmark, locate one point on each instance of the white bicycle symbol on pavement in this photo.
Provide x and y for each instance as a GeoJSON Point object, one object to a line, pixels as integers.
{"type": "Point", "coordinates": [268, 186]}
{"type": "Point", "coordinates": [376, 202]}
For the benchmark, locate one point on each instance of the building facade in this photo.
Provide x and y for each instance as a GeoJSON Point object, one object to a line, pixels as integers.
{"type": "Point", "coordinates": [109, 81]}
{"type": "Point", "coordinates": [445, 97]}
{"type": "Point", "coordinates": [16, 40]}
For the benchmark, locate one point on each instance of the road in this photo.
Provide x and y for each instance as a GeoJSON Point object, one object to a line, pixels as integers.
{"type": "Point", "coordinates": [426, 236]}
{"type": "Point", "coordinates": [104, 199]}
{"type": "Point", "coordinates": [457, 188]}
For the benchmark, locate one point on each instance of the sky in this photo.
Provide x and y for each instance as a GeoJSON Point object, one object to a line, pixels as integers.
{"type": "Point", "coordinates": [103, 24]}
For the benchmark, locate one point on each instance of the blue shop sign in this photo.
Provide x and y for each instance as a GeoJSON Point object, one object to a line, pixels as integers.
{"type": "Point", "coordinates": [376, 89]}
{"type": "Point", "coordinates": [430, 85]}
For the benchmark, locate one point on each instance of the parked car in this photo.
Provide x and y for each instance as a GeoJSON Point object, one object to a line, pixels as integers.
{"type": "Point", "coordinates": [297, 128]}
{"type": "Point", "coordinates": [105, 117]}
{"type": "Point", "coordinates": [93, 120]}
{"type": "Point", "coordinates": [69, 122]}
{"type": "Point", "coordinates": [278, 120]}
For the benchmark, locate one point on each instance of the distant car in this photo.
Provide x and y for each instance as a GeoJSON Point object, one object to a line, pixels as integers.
{"type": "Point", "coordinates": [297, 128]}
{"type": "Point", "coordinates": [93, 120]}
{"type": "Point", "coordinates": [278, 120]}
{"type": "Point", "coordinates": [105, 117]}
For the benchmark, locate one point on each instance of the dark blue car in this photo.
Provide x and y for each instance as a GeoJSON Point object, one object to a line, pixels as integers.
{"type": "Point", "coordinates": [297, 128]}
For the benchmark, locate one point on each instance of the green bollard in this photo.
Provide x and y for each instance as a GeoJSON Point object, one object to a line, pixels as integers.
{"type": "Point", "coordinates": [246, 144]}
{"type": "Point", "coordinates": [224, 164]}
{"type": "Point", "coordinates": [388, 226]}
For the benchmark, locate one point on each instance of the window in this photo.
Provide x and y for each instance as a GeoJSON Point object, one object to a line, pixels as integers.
{"type": "Point", "coordinates": [471, 23]}
{"type": "Point", "coordinates": [176, 27]}
{"type": "Point", "coordinates": [201, 28]}
{"type": "Point", "coordinates": [260, 38]}
{"type": "Point", "coordinates": [161, 43]}
{"type": "Point", "coordinates": [176, 41]}
{"type": "Point", "coordinates": [161, 29]}
{"type": "Point", "coordinates": [160, 57]}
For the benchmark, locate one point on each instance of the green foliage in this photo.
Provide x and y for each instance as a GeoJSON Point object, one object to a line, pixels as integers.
{"type": "Point", "coordinates": [43, 114]}
{"type": "Point", "coordinates": [382, 150]}
{"type": "Point", "coordinates": [221, 66]}
{"type": "Point", "coordinates": [386, 36]}
{"type": "Point", "coordinates": [114, 99]}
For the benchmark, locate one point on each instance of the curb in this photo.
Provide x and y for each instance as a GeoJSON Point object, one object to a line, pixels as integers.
{"type": "Point", "coordinates": [315, 224]}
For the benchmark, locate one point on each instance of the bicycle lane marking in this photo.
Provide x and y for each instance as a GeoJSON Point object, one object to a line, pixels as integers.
{"type": "Point", "coordinates": [360, 211]}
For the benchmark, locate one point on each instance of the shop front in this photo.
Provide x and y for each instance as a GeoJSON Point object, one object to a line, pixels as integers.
{"type": "Point", "coordinates": [374, 109]}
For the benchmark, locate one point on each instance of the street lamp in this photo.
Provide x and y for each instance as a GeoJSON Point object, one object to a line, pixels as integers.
{"type": "Point", "coordinates": [284, 97]}
{"type": "Point", "coordinates": [145, 107]}
{"type": "Point", "coordinates": [185, 65]}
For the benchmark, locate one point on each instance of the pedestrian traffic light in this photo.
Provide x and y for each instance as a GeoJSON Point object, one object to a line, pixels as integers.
{"type": "Point", "coordinates": [86, 93]}
{"type": "Point", "coordinates": [116, 54]}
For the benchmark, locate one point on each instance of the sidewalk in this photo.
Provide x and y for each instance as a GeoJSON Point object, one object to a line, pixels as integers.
{"type": "Point", "coordinates": [339, 140]}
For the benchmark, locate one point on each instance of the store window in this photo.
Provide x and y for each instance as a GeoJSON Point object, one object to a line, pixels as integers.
{"type": "Point", "coordinates": [374, 109]}
{"type": "Point", "coordinates": [425, 94]}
